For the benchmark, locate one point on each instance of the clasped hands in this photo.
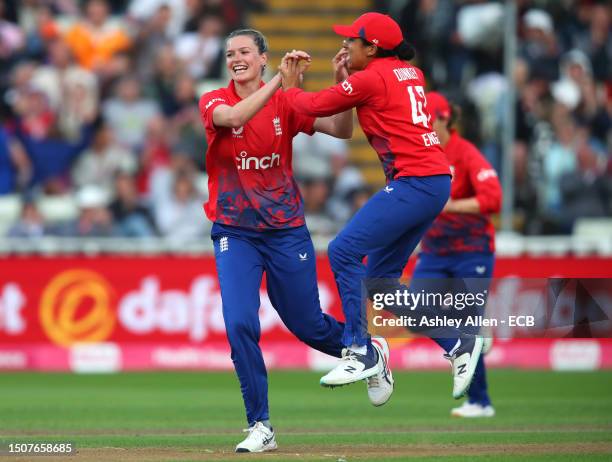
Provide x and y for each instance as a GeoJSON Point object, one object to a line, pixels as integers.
{"type": "Point", "coordinates": [295, 63]}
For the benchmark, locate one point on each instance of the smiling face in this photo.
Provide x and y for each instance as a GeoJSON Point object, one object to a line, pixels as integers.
{"type": "Point", "coordinates": [243, 60]}
{"type": "Point", "coordinates": [359, 53]}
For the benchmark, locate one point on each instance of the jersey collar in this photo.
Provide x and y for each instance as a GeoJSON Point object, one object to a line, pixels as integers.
{"type": "Point", "coordinates": [378, 61]}
{"type": "Point", "coordinates": [232, 88]}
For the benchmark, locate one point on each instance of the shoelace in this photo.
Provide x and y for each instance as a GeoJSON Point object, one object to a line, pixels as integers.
{"type": "Point", "coordinates": [251, 429]}
{"type": "Point", "coordinates": [349, 356]}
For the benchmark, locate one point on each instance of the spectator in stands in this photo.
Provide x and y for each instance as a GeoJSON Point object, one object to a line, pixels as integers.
{"type": "Point", "coordinates": [323, 157]}
{"type": "Point", "coordinates": [318, 156]}
{"type": "Point", "coordinates": [36, 118]}
{"type": "Point", "coordinates": [316, 192]}
{"type": "Point", "coordinates": [155, 154]}
{"type": "Point", "coordinates": [358, 197]}
{"type": "Point", "coordinates": [12, 38]}
{"type": "Point", "coordinates": [340, 205]}
{"type": "Point", "coordinates": [431, 25]}
{"type": "Point", "coordinates": [31, 15]}
{"type": "Point", "coordinates": [30, 224]}
{"type": "Point", "coordinates": [57, 73]}
{"type": "Point", "coordinates": [51, 156]}
{"type": "Point", "coordinates": [95, 220]}
{"type": "Point", "coordinates": [143, 11]}
{"type": "Point", "coordinates": [18, 89]}
{"type": "Point", "coordinates": [166, 72]}
{"type": "Point", "coordinates": [184, 122]}
{"type": "Point", "coordinates": [577, 79]}
{"type": "Point", "coordinates": [232, 12]}
{"type": "Point", "coordinates": [586, 191]}
{"type": "Point", "coordinates": [153, 34]}
{"type": "Point", "coordinates": [594, 40]}
{"type": "Point", "coordinates": [97, 41]}
{"type": "Point", "coordinates": [102, 161]}
{"type": "Point", "coordinates": [539, 47]}
{"type": "Point", "coordinates": [131, 217]}
{"type": "Point", "coordinates": [178, 212]}
{"type": "Point", "coordinates": [15, 166]}
{"type": "Point", "coordinates": [560, 160]}
{"type": "Point", "coordinates": [202, 51]}
{"type": "Point", "coordinates": [71, 90]}
{"type": "Point", "coordinates": [128, 113]}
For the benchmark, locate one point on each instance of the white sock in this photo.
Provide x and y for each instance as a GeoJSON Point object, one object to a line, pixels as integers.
{"type": "Point", "coordinates": [361, 350]}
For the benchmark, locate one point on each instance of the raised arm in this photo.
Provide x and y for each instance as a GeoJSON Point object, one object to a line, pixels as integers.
{"type": "Point", "coordinates": [351, 92]}
{"type": "Point", "coordinates": [338, 125]}
{"type": "Point", "coordinates": [239, 114]}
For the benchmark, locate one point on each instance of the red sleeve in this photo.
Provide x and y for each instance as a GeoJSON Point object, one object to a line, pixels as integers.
{"type": "Point", "coordinates": [208, 102]}
{"type": "Point", "coordinates": [304, 123]}
{"type": "Point", "coordinates": [485, 182]}
{"type": "Point", "coordinates": [298, 121]}
{"type": "Point", "coordinates": [355, 90]}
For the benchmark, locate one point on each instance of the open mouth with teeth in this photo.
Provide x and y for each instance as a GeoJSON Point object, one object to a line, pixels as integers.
{"type": "Point", "coordinates": [239, 69]}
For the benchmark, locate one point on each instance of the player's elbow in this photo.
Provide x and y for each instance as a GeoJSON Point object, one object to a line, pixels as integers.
{"type": "Point", "coordinates": [235, 121]}
{"type": "Point", "coordinates": [496, 201]}
{"type": "Point", "coordinates": [489, 203]}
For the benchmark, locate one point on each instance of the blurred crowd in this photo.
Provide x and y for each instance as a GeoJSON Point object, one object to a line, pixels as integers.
{"type": "Point", "coordinates": [563, 82]}
{"type": "Point", "coordinates": [100, 133]}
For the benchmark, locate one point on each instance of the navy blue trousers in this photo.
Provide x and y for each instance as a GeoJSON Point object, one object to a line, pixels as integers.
{"type": "Point", "coordinates": [386, 229]}
{"type": "Point", "coordinates": [287, 257]}
{"type": "Point", "coordinates": [461, 265]}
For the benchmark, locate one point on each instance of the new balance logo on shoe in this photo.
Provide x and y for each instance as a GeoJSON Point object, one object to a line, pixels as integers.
{"type": "Point", "coordinates": [350, 369]}
{"type": "Point", "coordinates": [223, 244]}
{"type": "Point", "coordinates": [461, 369]}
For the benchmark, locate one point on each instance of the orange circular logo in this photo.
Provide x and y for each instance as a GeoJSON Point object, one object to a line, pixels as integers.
{"type": "Point", "coordinates": [76, 307]}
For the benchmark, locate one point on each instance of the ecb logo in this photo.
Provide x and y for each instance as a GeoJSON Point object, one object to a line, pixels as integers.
{"type": "Point", "coordinates": [76, 307]}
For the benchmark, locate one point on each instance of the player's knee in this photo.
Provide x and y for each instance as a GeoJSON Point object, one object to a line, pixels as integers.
{"type": "Point", "coordinates": [238, 328]}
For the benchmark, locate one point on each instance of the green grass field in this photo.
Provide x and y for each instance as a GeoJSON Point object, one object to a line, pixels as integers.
{"type": "Point", "coordinates": [543, 416]}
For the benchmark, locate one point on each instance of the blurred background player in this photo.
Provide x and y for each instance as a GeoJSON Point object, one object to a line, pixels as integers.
{"type": "Point", "coordinates": [258, 216]}
{"type": "Point", "coordinates": [461, 241]}
{"type": "Point", "coordinates": [389, 95]}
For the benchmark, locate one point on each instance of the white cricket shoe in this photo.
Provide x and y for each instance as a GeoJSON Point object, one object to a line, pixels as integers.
{"type": "Point", "coordinates": [353, 367]}
{"type": "Point", "coordinates": [463, 362]}
{"type": "Point", "coordinates": [380, 386]}
{"type": "Point", "coordinates": [260, 439]}
{"type": "Point", "coordinates": [472, 410]}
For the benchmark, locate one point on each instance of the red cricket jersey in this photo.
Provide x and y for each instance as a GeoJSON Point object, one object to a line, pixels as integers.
{"type": "Point", "coordinates": [472, 176]}
{"type": "Point", "coordinates": [389, 95]}
{"type": "Point", "coordinates": [250, 177]}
